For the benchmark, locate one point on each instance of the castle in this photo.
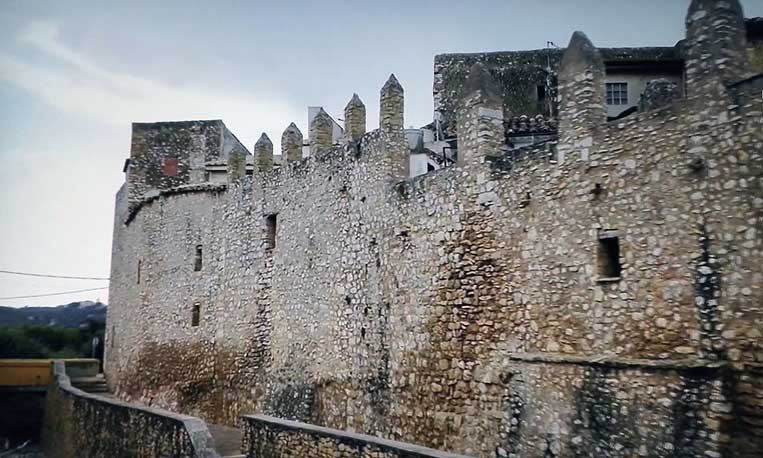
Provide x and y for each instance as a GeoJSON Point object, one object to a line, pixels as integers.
{"type": "Point", "coordinates": [565, 263]}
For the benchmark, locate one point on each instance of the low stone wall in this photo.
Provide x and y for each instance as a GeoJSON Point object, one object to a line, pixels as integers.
{"type": "Point", "coordinates": [269, 437]}
{"type": "Point", "coordinates": [80, 424]}
{"type": "Point", "coordinates": [83, 367]}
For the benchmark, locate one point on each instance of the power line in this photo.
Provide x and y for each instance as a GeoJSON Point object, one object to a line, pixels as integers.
{"type": "Point", "coordinates": [53, 294]}
{"type": "Point", "coordinates": [27, 274]}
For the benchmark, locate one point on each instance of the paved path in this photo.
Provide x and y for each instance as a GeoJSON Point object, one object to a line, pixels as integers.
{"type": "Point", "coordinates": [227, 439]}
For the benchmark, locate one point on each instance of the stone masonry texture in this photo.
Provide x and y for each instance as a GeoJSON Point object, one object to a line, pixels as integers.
{"type": "Point", "coordinates": [477, 309]}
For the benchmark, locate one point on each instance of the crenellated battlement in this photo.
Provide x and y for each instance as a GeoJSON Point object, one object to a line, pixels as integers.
{"type": "Point", "coordinates": [573, 91]}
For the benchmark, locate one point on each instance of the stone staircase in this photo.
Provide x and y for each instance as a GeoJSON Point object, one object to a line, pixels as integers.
{"type": "Point", "coordinates": [96, 384]}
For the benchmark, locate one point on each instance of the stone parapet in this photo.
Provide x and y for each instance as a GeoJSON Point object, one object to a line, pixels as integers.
{"type": "Point", "coordinates": [83, 424]}
{"type": "Point", "coordinates": [269, 437]}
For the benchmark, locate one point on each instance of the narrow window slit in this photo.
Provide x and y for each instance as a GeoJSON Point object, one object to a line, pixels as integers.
{"type": "Point", "coordinates": [609, 256]}
{"type": "Point", "coordinates": [271, 228]}
{"type": "Point", "coordinates": [196, 314]}
{"type": "Point", "coordinates": [197, 260]}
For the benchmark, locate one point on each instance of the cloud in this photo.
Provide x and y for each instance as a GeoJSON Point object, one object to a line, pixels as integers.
{"type": "Point", "coordinates": [56, 191]}
{"type": "Point", "coordinates": [77, 85]}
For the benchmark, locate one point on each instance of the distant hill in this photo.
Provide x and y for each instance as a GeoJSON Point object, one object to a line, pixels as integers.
{"type": "Point", "coordinates": [69, 316]}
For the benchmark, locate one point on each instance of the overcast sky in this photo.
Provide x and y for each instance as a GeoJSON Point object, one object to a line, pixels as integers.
{"type": "Point", "coordinates": [75, 74]}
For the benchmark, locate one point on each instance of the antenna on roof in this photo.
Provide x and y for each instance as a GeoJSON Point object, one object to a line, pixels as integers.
{"type": "Point", "coordinates": [548, 83]}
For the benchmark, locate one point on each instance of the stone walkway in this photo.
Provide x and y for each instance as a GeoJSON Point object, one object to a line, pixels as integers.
{"type": "Point", "coordinates": [227, 440]}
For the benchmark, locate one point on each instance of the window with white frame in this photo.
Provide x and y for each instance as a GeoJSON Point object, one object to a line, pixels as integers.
{"type": "Point", "coordinates": [617, 93]}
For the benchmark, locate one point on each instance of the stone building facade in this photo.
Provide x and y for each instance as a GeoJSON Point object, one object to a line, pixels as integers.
{"type": "Point", "coordinates": [596, 294]}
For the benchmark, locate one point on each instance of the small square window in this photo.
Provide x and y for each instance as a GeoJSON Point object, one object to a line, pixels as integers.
{"type": "Point", "coordinates": [617, 93]}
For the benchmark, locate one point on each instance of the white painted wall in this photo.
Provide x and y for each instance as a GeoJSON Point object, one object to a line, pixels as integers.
{"type": "Point", "coordinates": [636, 85]}
{"type": "Point", "coordinates": [418, 164]}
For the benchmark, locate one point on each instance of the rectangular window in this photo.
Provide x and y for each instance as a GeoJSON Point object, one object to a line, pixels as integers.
{"type": "Point", "coordinates": [197, 260]}
{"type": "Point", "coordinates": [271, 228]}
{"type": "Point", "coordinates": [609, 255]}
{"type": "Point", "coordinates": [617, 93]}
{"type": "Point", "coordinates": [196, 314]}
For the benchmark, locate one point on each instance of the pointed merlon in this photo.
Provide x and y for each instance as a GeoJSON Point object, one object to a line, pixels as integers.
{"type": "Point", "coordinates": [480, 117]}
{"type": "Point", "coordinates": [236, 165]}
{"type": "Point", "coordinates": [715, 49]}
{"type": "Point", "coordinates": [354, 119]}
{"type": "Point", "coordinates": [322, 115]}
{"type": "Point", "coordinates": [481, 82]}
{"type": "Point", "coordinates": [293, 130]}
{"type": "Point", "coordinates": [263, 140]}
{"type": "Point", "coordinates": [582, 79]}
{"type": "Point", "coordinates": [291, 144]}
{"type": "Point", "coordinates": [263, 153]}
{"type": "Point", "coordinates": [355, 101]}
{"type": "Point", "coordinates": [704, 7]}
{"type": "Point", "coordinates": [580, 55]}
{"type": "Point", "coordinates": [321, 131]}
{"type": "Point", "coordinates": [392, 84]}
{"type": "Point", "coordinates": [391, 105]}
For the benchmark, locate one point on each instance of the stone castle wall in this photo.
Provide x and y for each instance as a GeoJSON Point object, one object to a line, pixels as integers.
{"type": "Point", "coordinates": [468, 309]}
